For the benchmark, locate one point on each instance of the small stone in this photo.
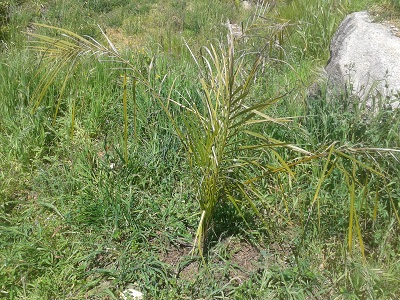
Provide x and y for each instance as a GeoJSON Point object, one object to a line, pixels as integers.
{"type": "Point", "coordinates": [131, 294]}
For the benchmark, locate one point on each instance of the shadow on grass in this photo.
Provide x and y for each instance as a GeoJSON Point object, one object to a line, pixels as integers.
{"type": "Point", "coordinates": [227, 222]}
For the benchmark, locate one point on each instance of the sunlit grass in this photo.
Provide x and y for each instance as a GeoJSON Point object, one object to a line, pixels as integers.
{"type": "Point", "coordinates": [118, 203]}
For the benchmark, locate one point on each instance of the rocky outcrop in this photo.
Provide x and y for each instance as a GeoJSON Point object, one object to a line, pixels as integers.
{"type": "Point", "coordinates": [365, 59]}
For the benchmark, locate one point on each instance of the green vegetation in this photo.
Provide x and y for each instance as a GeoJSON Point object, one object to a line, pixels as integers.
{"type": "Point", "coordinates": [120, 152]}
{"type": "Point", "coordinates": [4, 21]}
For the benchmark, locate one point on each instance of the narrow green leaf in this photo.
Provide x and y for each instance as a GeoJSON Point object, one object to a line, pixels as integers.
{"type": "Point", "coordinates": [283, 163]}
{"type": "Point", "coordinates": [375, 206]}
{"type": "Point", "coordinates": [320, 181]}
{"type": "Point", "coordinates": [135, 108]}
{"type": "Point", "coordinates": [125, 104]}
{"type": "Point", "coordinates": [352, 209]}
{"type": "Point", "coordinates": [360, 240]}
{"type": "Point", "coordinates": [73, 118]}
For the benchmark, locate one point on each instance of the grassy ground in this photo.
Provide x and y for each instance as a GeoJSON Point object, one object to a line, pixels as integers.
{"type": "Point", "coordinates": [80, 221]}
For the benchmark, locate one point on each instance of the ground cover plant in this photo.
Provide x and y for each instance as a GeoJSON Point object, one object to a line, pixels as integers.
{"type": "Point", "coordinates": [104, 166]}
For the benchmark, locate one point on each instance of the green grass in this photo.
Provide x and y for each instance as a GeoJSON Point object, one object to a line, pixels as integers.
{"type": "Point", "coordinates": [80, 220]}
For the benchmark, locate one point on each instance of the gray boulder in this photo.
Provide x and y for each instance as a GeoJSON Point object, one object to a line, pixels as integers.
{"type": "Point", "coordinates": [365, 59]}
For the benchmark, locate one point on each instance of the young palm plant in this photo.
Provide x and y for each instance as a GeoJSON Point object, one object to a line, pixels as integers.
{"type": "Point", "coordinates": [217, 132]}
